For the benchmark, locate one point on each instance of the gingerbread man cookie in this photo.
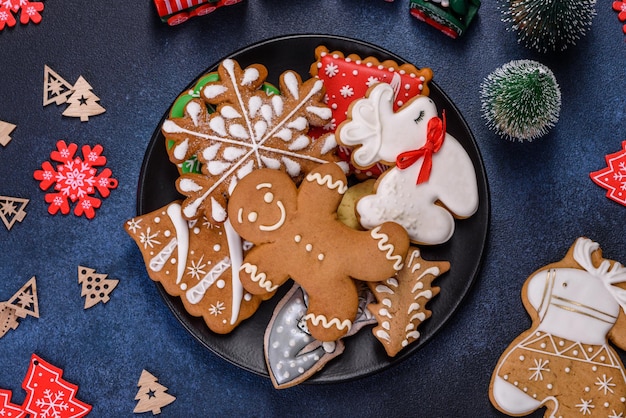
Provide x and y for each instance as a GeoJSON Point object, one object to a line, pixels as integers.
{"type": "Point", "coordinates": [564, 362]}
{"type": "Point", "coordinates": [297, 235]}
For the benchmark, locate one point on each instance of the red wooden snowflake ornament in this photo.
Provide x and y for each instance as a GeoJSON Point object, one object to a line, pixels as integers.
{"type": "Point", "coordinates": [613, 177]}
{"type": "Point", "coordinates": [48, 395]}
{"type": "Point", "coordinates": [30, 11]}
{"type": "Point", "coordinates": [620, 7]}
{"type": "Point", "coordinates": [75, 179]}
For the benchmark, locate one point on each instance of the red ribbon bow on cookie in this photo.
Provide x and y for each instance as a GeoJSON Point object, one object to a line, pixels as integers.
{"type": "Point", "coordinates": [435, 134]}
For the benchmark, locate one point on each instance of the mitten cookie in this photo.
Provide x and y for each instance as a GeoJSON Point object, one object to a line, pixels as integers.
{"type": "Point", "coordinates": [297, 234]}
{"type": "Point", "coordinates": [564, 362]}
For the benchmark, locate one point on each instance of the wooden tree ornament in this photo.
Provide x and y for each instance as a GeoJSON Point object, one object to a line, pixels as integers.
{"type": "Point", "coordinates": [83, 103]}
{"type": "Point", "coordinates": [152, 396]}
{"type": "Point", "coordinates": [12, 210]}
{"type": "Point", "coordinates": [55, 88]}
{"type": "Point", "coordinates": [23, 303]}
{"type": "Point", "coordinates": [95, 286]}
{"type": "Point", "coordinates": [5, 132]}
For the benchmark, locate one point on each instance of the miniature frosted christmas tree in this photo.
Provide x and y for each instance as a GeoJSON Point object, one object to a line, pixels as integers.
{"type": "Point", "coordinates": [549, 25]}
{"type": "Point", "coordinates": [83, 103]}
{"type": "Point", "coordinates": [521, 100]}
{"type": "Point", "coordinates": [96, 287]}
{"type": "Point", "coordinates": [152, 396]}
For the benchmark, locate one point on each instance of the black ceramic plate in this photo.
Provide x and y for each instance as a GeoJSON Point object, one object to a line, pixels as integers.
{"type": "Point", "coordinates": [364, 355]}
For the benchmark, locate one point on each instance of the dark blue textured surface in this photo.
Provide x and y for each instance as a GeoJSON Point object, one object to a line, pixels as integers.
{"type": "Point", "coordinates": [541, 197]}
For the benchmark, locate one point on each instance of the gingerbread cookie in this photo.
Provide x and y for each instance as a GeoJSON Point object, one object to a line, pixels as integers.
{"type": "Point", "coordinates": [401, 301]}
{"type": "Point", "coordinates": [433, 180]}
{"type": "Point", "coordinates": [296, 234]}
{"type": "Point", "coordinates": [196, 261]}
{"type": "Point", "coordinates": [291, 353]}
{"type": "Point", "coordinates": [249, 129]}
{"type": "Point", "coordinates": [347, 78]}
{"type": "Point", "coordinates": [564, 361]}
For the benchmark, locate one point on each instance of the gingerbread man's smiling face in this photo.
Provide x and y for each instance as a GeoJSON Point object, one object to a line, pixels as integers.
{"type": "Point", "coordinates": [264, 208]}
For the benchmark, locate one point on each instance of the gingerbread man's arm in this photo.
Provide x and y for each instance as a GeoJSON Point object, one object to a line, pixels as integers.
{"type": "Point", "coordinates": [385, 245]}
{"type": "Point", "coordinates": [327, 177]}
{"type": "Point", "coordinates": [261, 271]}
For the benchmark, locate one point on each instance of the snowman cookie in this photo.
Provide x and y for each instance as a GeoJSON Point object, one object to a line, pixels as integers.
{"type": "Point", "coordinates": [297, 235]}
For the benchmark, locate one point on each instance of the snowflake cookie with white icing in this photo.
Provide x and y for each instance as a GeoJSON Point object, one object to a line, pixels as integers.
{"type": "Point", "coordinates": [564, 362]}
{"type": "Point", "coordinates": [297, 235]}
{"type": "Point", "coordinates": [248, 129]}
{"type": "Point", "coordinates": [196, 261]}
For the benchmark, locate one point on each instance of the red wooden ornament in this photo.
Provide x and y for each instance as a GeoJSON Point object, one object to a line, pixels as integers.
{"type": "Point", "coordinates": [48, 395]}
{"type": "Point", "coordinates": [613, 177]}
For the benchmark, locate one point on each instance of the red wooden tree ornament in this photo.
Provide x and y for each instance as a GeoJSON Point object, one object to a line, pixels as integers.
{"type": "Point", "coordinates": [48, 395]}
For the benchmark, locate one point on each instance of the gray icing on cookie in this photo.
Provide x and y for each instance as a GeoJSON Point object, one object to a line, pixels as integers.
{"type": "Point", "coordinates": [291, 353]}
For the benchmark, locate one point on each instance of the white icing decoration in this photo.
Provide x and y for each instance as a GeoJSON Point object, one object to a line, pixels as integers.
{"type": "Point", "coordinates": [238, 131]}
{"type": "Point", "coordinates": [217, 167]}
{"type": "Point", "coordinates": [196, 293]}
{"type": "Point", "coordinates": [385, 246]}
{"type": "Point", "coordinates": [318, 320]}
{"type": "Point", "coordinates": [254, 105]}
{"type": "Point", "coordinates": [292, 167]}
{"type": "Point", "coordinates": [235, 248]}
{"type": "Point", "coordinates": [182, 238]}
{"type": "Point", "coordinates": [291, 82]}
{"type": "Point", "coordinates": [194, 109]}
{"type": "Point", "coordinates": [328, 181]}
{"type": "Point", "coordinates": [322, 112]}
{"type": "Point", "coordinates": [229, 112]}
{"type": "Point", "coordinates": [250, 75]}
{"type": "Point", "coordinates": [218, 212]}
{"type": "Point", "coordinates": [270, 162]}
{"type": "Point", "coordinates": [285, 134]}
{"type": "Point", "coordinates": [211, 91]}
{"type": "Point", "coordinates": [181, 149]}
{"type": "Point", "coordinates": [158, 261]}
{"type": "Point", "coordinates": [188, 185]}
{"type": "Point", "coordinates": [299, 143]}
{"type": "Point", "coordinates": [218, 125]}
{"type": "Point", "coordinates": [210, 152]}
{"type": "Point", "coordinates": [300, 124]}
{"type": "Point", "coordinates": [233, 153]}
{"type": "Point", "coordinates": [259, 278]}
{"type": "Point", "coordinates": [278, 105]}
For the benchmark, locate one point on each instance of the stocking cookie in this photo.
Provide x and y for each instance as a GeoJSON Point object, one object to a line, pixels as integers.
{"type": "Point", "coordinates": [297, 234]}
{"type": "Point", "coordinates": [196, 261]}
{"type": "Point", "coordinates": [433, 180]}
{"type": "Point", "coordinates": [564, 362]}
{"type": "Point", "coordinates": [249, 129]}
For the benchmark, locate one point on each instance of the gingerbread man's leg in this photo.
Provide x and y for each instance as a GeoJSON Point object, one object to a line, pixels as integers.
{"type": "Point", "coordinates": [328, 321]}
